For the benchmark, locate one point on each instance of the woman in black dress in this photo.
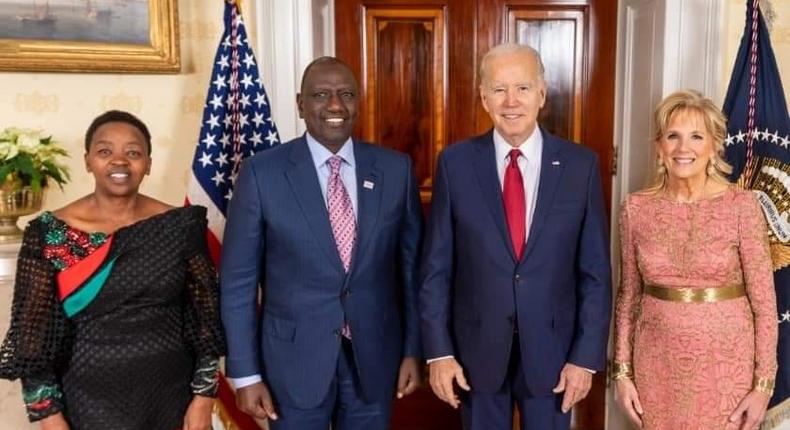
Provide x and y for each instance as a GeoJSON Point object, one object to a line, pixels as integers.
{"type": "Point", "coordinates": [115, 320]}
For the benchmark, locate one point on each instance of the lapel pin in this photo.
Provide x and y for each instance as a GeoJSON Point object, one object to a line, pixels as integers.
{"type": "Point", "coordinates": [368, 185]}
{"type": "Point", "coordinates": [555, 163]}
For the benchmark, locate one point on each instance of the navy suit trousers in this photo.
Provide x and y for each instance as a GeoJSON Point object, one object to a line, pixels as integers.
{"type": "Point", "coordinates": [494, 411]}
{"type": "Point", "coordinates": [343, 406]}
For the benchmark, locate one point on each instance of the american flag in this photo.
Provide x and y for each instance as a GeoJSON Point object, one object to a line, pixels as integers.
{"type": "Point", "coordinates": [758, 148]}
{"type": "Point", "coordinates": [237, 123]}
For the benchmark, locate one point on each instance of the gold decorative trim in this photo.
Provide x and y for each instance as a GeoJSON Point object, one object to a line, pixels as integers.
{"type": "Point", "coordinates": [160, 55]}
{"type": "Point", "coordinates": [223, 415]}
{"type": "Point", "coordinates": [777, 416]}
{"type": "Point", "coordinates": [695, 295]}
{"type": "Point", "coordinates": [37, 103]}
{"type": "Point", "coordinates": [780, 255]}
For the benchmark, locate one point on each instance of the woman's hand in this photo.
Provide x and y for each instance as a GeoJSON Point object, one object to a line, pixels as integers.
{"type": "Point", "coordinates": [751, 411]}
{"type": "Point", "coordinates": [628, 399]}
{"type": "Point", "coordinates": [198, 416]}
{"type": "Point", "coordinates": [54, 422]}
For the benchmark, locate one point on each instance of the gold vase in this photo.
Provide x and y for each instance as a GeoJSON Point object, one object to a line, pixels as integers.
{"type": "Point", "coordinates": [14, 204]}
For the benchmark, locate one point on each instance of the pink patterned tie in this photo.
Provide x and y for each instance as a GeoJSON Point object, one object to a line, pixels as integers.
{"type": "Point", "coordinates": [341, 216]}
{"type": "Point", "coordinates": [341, 213]}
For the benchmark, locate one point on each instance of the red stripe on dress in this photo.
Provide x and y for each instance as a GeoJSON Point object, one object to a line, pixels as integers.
{"type": "Point", "coordinates": [214, 248]}
{"type": "Point", "coordinates": [70, 279]}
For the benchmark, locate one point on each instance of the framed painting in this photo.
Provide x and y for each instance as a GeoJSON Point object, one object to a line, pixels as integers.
{"type": "Point", "coordinates": [89, 36]}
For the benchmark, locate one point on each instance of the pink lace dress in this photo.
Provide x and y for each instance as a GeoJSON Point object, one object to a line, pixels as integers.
{"type": "Point", "coordinates": [694, 362]}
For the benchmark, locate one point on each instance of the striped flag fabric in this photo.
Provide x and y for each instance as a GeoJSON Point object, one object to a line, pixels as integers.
{"type": "Point", "coordinates": [236, 124]}
{"type": "Point", "coordinates": [758, 148]}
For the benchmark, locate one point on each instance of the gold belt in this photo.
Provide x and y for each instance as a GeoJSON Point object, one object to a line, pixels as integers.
{"type": "Point", "coordinates": [695, 295]}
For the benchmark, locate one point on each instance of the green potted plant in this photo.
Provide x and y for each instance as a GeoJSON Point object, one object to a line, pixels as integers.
{"type": "Point", "coordinates": [29, 162]}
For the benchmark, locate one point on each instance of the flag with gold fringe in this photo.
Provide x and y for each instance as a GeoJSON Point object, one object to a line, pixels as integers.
{"type": "Point", "coordinates": [236, 124]}
{"type": "Point", "coordinates": [758, 148]}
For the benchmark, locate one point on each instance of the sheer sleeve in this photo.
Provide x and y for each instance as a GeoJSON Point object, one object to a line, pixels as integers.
{"type": "Point", "coordinates": [630, 291]}
{"type": "Point", "coordinates": [36, 340]}
{"type": "Point", "coordinates": [204, 331]}
{"type": "Point", "coordinates": [758, 276]}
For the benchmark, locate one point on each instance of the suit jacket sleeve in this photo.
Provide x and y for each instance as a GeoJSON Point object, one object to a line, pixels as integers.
{"type": "Point", "coordinates": [410, 241]}
{"type": "Point", "coordinates": [240, 269]}
{"type": "Point", "coordinates": [437, 270]}
{"type": "Point", "coordinates": [594, 281]}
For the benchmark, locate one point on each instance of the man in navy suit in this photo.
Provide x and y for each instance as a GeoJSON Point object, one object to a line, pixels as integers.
{"type": "Point", "coordinates": [515, 280]}
{"type": "Point", "coordinates": [329, 228]}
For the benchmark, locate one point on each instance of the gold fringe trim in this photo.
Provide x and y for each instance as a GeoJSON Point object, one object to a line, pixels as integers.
{"type": "Point", "coordinates": [777, 416]}
{"type": "Point", "coordinates": [224, 417]}
{"type": "Point", "coordinates": [780, 254]}
{"type": "Point", "coordinates": [741, 182]}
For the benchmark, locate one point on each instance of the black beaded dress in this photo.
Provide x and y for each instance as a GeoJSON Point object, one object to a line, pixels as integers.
{"type": "Point", "coordinates": [119, 331]}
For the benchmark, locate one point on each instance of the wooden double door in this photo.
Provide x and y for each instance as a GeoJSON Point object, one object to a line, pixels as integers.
{"type": "Point", "coordinates": [417, 63]}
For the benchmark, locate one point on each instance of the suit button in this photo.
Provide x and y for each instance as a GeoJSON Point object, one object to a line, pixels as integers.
{"type": "Point", "coordinates": [518, 277]}
{"type": "Point", "coordinates": [345, 293]}
{"type": "Point", "coordinates": [336, 332]}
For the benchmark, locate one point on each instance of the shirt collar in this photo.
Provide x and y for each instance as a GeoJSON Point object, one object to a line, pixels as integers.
{"type": "Point", "coordinates": [320, 154]}
{"type": "Point", "coordinates": [530, 149]}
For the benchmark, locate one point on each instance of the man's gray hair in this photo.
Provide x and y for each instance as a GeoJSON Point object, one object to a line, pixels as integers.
{"type": "Point", "coordinates": [510, 48]}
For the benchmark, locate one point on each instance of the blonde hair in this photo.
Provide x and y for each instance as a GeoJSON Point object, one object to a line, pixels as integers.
{"type": "Point", "coordinates": [688, 102]}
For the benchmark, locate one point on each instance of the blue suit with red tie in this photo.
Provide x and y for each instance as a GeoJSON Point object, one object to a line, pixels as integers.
{"type": "Point", "coordinates": [478, 301]}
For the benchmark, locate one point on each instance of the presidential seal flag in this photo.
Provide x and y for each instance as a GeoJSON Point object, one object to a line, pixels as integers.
{"type": "Point", "coordinates": [758, 148]}
{"type": "Point", "coordinates": [236, 124]}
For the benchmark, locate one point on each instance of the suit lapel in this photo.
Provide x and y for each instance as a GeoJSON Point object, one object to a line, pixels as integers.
{"type": "Point", "coordinates": [551, 167]}
{"type": "Point", "coordinates": [307, 191]}
{"type": "Point", "coordinates": [485, 167]}
{"type": "Point", "coordinates": [369, 188]}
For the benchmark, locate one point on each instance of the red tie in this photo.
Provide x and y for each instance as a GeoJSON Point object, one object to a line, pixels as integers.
{"type": "Point", "coordinates": [515, 204]}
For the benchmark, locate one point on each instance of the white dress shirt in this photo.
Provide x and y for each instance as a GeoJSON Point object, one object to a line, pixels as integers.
{"type": "Point", "coordinates": [348, 174]}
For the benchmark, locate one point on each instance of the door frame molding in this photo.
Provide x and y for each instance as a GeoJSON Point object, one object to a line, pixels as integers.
{"type": "Point", "coordinates": [288, 36]}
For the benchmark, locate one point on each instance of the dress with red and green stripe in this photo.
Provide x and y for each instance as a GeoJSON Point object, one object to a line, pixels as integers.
{"type": "Point", "coordinates": [119, 331]}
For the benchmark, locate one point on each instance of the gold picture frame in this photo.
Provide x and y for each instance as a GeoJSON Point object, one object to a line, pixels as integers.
{"type": "Point", "coordinates": [158, 54]}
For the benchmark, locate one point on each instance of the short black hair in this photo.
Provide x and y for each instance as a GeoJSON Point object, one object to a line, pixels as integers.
{"type": "Point", "coordinates": [322, 61]}
{"type": "Point", "coordinates": [117, 116]}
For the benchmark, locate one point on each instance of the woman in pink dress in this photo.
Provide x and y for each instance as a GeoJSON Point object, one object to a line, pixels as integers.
{"type": "Point", "coordinates": [696, 327]}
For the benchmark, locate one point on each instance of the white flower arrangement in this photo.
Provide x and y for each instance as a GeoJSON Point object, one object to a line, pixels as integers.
{"type": "Point", "coordinates": [30, 158]}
